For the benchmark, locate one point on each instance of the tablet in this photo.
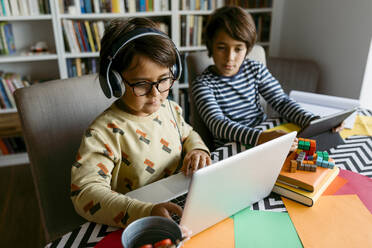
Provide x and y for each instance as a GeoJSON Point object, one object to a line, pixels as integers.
{"type": "Point", "coordinates": [325, 123]}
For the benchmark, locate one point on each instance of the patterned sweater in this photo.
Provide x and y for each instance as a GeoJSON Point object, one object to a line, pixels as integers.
{"type": "Point", "coordinates": [121, 152]}
{"type": "Point", "coordinates": [230, 106]}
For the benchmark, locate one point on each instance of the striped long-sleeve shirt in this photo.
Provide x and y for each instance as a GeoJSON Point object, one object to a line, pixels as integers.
{"type": "Point", "coordinates": [230, 106]}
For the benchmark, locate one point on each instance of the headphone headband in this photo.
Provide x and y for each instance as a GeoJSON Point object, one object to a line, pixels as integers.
{"type": "Point", "coordinates": [111, 83]}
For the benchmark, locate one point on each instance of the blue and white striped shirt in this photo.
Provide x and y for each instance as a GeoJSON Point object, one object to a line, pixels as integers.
{"type": "Point", "coordinates": [230, 106]}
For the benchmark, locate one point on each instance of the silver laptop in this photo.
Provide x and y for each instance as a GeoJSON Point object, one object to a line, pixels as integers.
{"type": "Point", "coordinates": [223, 188]}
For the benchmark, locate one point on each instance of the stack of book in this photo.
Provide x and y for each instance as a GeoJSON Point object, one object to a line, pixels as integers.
{"type": "Point", "coordinates": [24, 7]}
{"type": "Point", "coordinates": [304, 186]}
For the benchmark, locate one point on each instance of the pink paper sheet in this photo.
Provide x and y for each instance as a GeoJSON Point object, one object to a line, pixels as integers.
{"type": "Point", "coordinates": [357, 184]}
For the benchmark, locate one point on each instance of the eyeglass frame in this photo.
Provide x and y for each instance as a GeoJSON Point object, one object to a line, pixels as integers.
{"type": "Point", "coordinates": [156, 83]}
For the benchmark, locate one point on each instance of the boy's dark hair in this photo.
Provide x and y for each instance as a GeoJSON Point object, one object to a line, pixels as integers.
{"type": "Point", "coordinates": [157, 48]}
{"type": "Point", "coordinates": [235, 21]}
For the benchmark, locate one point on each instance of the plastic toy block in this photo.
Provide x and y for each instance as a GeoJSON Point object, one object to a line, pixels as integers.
{"type": "Point", "coordinates": [325, 156]}
{"type": "Point", "coordinates": [301, 144]}
{"type": "Point", "coordinates": [307, 145]}
{"type": "Point", "coordinates": [313, 168]}
{"type": "Point", "coordinates": [298, 151]}
{"type": "Point", "coordinates": [310, 157]}
{"type": "Point", "coordinates": [325, 164]}
{"type": "Point", "coordinates": [320, 154]}
{"type": "Point", "coordinates": [293, 163]}
{"type": "Point", "coordinates": [319, 161]}
{"type": "Point", "coordinates": [331, 165]}
{"type": "Point", "coordinates": [293, 166]}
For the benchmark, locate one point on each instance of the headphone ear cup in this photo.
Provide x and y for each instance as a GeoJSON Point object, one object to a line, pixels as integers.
{"type": "Point", "coordinates": [175, 71]}
{"type": "Point", "coordinates": [117, 85]}
{"type": "Point", "coordinates": [105, 86]}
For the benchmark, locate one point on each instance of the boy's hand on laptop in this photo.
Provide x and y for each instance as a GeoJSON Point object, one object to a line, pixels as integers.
{"type": "Point", "coordinates": [294, 145]}
{"type": "Point", "coordinates": [194, 160]}
{"type": "Point", "coordinates": [166, 209]}
{"type": "Point", "coordinates": [186, 233]}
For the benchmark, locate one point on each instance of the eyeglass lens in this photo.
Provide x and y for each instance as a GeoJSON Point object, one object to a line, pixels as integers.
{"type": "Point", "coordinates": [144, 88]}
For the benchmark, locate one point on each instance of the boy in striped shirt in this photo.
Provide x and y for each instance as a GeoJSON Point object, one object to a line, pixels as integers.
{"type": "Point", "coordinates": [227, 94]}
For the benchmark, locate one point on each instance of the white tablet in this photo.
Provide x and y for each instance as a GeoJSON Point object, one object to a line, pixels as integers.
{"type": "Point", "coordinates": [325, 123]}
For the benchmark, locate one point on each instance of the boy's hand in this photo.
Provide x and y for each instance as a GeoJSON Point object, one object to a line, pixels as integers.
{"type": "Point", "coordinates": [194, 160]}
{"type": "Point", "coordinates": [294, 145]}
{"type": "Point", "coordinates": [166, 209]}
{"type": "Point", "coordinates": [339, 128]}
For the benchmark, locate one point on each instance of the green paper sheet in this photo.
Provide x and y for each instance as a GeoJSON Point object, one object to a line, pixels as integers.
{"type": "Point", "coordinates": [264, 229]}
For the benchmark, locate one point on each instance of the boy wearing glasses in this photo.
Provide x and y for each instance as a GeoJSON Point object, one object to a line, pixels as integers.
{"type": "Point", "coordinates": [140, 139]}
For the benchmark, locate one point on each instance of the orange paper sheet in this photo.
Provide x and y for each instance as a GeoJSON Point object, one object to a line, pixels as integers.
{"type": "Point", "coordinates": [334, 221]}
{"type": "Point", "coordinates": [220, 235]}
{"type": "Point", "coordinates": [337, 183]}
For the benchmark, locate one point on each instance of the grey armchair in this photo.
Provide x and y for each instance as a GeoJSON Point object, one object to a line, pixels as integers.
{"type": "Point", "coordinates": [54, 116]}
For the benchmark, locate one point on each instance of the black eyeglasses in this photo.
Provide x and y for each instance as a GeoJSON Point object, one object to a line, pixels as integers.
{"type": "Point", "coordinates": [144, 88]}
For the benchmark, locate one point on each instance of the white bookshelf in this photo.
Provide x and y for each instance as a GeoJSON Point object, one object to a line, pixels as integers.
{"type": "Point", "coordinates": [30, 29]}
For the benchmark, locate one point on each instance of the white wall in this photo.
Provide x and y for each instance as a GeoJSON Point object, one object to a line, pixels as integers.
{"type": "Point", "coordinates": [366, 91]}
{"type": "Point", "coordinates": [334, 33]}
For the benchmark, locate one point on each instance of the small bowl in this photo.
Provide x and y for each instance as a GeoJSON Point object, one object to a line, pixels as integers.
{"type": "Point", "coordinates": [149, 230]}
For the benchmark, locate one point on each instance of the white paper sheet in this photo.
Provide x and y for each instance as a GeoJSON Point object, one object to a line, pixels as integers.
{"type": "Point", "coordinates": [324, 105]}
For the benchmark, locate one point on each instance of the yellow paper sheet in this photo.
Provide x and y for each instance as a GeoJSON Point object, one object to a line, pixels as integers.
{"type": "Point", "coordinates": [362, 126]}
{"type": "Point", "coordinates": [288, 127]}
{"type": "Point", "coordinates": [334, 221]}
{"type": "Point", "coordinates": [220, 235]}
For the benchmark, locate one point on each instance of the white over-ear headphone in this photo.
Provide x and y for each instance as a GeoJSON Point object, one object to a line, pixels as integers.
{"type": "Point", "coordinates": [111, 81]}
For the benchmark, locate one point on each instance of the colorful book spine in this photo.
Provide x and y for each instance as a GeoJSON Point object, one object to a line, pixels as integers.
{"type": "Point", "coordinates": [9, 38]}
{"type": "Point", "coordinates": [4, 96]}
{"type": "Point", "coordinates": [90, 36]}
{"type": "Point", "coordinates": [78, 36]}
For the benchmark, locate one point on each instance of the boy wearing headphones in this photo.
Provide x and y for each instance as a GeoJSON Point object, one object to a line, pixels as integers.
{"type": "Point", "coordinates": [142, 136]}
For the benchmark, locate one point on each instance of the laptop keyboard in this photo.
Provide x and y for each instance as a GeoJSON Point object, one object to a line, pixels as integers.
{"type": "Point", "coordinates": [180, 201]}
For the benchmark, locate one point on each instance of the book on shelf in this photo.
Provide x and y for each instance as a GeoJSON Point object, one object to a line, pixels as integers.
{"type": "Point", "coordinates": [305, 197]}
{"type": "Point", "coordinates": [5, 101]}
{"type": "Point", "coordinates": [81, 66]}
{"type": "Point", "coordinates": [304, 180]}
{"type": "Point", "coordinates": [77, 7]}
{"type": "Point", "coordinates": [82, 36]}
{"type": "Point", "coordinates": [90, 36]}
{"type": "Point", "coordinates": [250, 3]}
{"type": "Point", "coordinates": [7, 38]}
{"type": "Point", "coordinates": [9, 82]}
{"type": "Point", "coordinates": [12, 145]}
{"type": "Point", "coordinates": [184, 104]}
{"type": "Point", "coordinates": [191, 27]}
{"type": "Point", "coordinates": [3, 148]}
